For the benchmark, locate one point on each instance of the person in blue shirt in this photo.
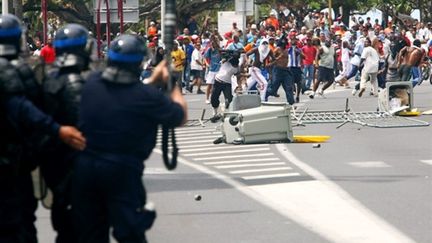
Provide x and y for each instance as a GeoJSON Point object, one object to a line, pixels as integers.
{"type": "Point", "coordinates": [213, 60]}
{"type": "Point", "coordinates": [119, 116]}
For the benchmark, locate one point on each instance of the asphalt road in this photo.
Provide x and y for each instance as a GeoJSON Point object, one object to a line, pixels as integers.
{"type": "Point", "coordinates": [363, 185]}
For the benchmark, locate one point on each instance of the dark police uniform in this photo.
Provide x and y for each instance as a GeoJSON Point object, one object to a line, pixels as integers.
{"type": "Point", "coordinates": [119, 117]}
{"type": "Point", "coordinates": [17, 114]}
{"type": "Point", "coordinates": [19, 121]}
{"type": "Point", "coordinates": [62, 95]}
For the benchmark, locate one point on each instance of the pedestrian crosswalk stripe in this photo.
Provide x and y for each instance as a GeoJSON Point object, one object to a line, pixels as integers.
{"type": "Point", "coordinates": [259, 170]}
{"type": "Point", "coordinates": [194, 129]}
{"type": "Point", "coordinates": [192, 146]}
{"type": "Point", "coordinates": [241, 161]}
{"type": "Point", "coordinates": [248, 165]}
{"type": "Point", "coordinates": [195, 141]}
{"type": "Point", "coordinates": [233, 156]}
{"type": "Point", "coordinates": [218, 147]}
{"type": "Point", "coordinates": [429, 162]}
{"type": "Point", "coordinates": [369, 164]}
{"type": "Point", "coordinates": [269, 176]}
{"type": "Point", "coordinates": [196, 138]}
{"type": "Point", "coordinates": [192, 133]}
{"type": "Point", "coordinates": [228, 152]}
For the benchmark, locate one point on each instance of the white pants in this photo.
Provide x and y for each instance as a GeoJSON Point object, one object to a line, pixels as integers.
{"type": "Point", "coordinates": [372, 78]}
{"type": "Point", "coordinates": [346, 68]}
{"type": "Point", "coordinates": [257, 77]}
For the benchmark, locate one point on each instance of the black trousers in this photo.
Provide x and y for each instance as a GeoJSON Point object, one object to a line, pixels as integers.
{"type": "Point", "coordinates": [17, 209]}
{"type": "Point", "coordinates": [218, 88]}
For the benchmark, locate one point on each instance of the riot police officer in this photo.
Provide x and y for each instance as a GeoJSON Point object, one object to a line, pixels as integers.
{"type": "Point", "coordinates": [19, 117]}
{"type": "Point", "coordinates": [119, 116]}
{"type": "Point", "coordinates": [62, 94]}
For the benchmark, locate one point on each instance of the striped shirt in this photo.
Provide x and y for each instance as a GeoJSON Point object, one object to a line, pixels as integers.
{"type": "Point", "coordinates": [294, 59]}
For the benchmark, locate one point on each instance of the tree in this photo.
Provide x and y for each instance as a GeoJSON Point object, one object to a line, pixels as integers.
{"type": "Point", "coordinates": [81, 11]}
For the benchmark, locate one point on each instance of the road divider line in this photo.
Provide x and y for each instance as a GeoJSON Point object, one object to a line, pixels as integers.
{"type": "Point", "coordinates": [429, 162]}
{"type": "Point", "coordinates": [369, 164]}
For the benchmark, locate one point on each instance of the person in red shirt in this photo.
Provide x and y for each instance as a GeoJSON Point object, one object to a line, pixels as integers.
{"type": "Point", "coordinates": [309, 52]}
{"type": "Point", "coordinates": [48, 52]}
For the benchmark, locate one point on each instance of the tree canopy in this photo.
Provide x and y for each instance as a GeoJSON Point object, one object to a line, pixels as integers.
{"type": "Point", "coordinates": [81, 11]}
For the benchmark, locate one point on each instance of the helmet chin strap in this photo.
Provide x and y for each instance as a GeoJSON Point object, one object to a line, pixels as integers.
{"type": "Point", "coordinates": [119, 75]}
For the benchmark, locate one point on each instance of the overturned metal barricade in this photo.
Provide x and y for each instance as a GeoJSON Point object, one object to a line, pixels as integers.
{"type": "Point", "coordinates": [377, 119]}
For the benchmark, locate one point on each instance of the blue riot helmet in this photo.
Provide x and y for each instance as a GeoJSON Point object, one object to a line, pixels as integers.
{"type": "Point", "coordinates": [10, 36]}
{"type": "Point", "coordinates": [127, 52]}
{"type": "Point", "coordinates": [73, 46]}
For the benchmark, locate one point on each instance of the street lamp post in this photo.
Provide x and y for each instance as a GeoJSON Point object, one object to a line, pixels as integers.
{"type": "Point", "coordinates": [45, 20]}
{"type": "Point", "coordinates": [5, 6]}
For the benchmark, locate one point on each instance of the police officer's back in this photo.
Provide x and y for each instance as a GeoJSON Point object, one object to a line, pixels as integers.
{"type": "Point", "coordinates": [119, 116]}
{"type": "Point", "coordinates": [62, 95]}
{"type": "Point", "coordinates": [18, 119]}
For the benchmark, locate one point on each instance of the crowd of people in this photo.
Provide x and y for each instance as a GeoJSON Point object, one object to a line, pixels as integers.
{"type": "Point", "coordinates": [300, 54]}
{"type": "Point", "coordinates": [102, 124]}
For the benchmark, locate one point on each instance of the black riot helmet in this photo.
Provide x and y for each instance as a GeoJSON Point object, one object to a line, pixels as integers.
{"type": "Point", "coordinates": [127, 52]}
{"type": "Point", "coordinates": [10, 36]}
{"type": "Point", "coordinates": [73, 45]}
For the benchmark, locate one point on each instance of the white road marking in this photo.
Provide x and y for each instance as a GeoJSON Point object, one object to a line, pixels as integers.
{"type": "Point", "coordinates": [195, 128]}
{"type": "Point", "coordinates": [240, 161]}
{"type": "Point", "coordinates": [228, 151]}
{"type": "Point", "coordinates": [259, 170]}
{"type": "Point", "coordinates": [369, 164]}
{"type": "Point", "coordinates": [258, 177]}
{"type": "Point", "coordinates": [200, 141]}
{"type": "Point", "coordinates": [156, 171]}
{"type": "Point", "coordinates": [192, 132]}
{"type": "Point", "coordinates": [321, 205]}
{"type": "Point", "coordinates": [429, 162]}
{"type": "Point", "coordinates": [248, 165]}
{"type": "Point", "coordinates": [233, 156]}
{"type": "Point", "coordinates": [196, 138]}
{"type": "Point", "coordinates": [218, 147]}
{"type": "Point", "coordinates": [336, 215]}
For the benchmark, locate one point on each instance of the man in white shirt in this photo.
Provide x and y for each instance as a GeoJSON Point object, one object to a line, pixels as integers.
{"type": "Point", "coordinates": [223, 84]}
{"type": "Point", "coordinates": [197, 68]}
{"type": "Point", "coordinates": [370, 62]}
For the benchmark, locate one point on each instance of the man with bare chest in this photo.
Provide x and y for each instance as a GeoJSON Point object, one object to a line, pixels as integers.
{"type": "Point", "coordinates": [410, 58]}
{"type": "Point", "coordinates": [262, 53]}
{"type": "Point", "coordinates": [281, 73]}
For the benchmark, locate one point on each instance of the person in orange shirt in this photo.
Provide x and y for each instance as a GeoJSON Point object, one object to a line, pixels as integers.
{"type": "Point", "coordinates": [272, 20]}
{"type": "Point", "coordinates": [251, 44]}
{"type": "Point", "coordinates": [152, 29]}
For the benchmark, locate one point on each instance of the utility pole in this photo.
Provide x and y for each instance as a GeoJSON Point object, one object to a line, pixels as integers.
{"type": "Point", "coordinates": [163, 11]}
{"type": "Point", "coordinates": [5, 6]}
{"type": "Point", "coordinates": [17, 5]}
